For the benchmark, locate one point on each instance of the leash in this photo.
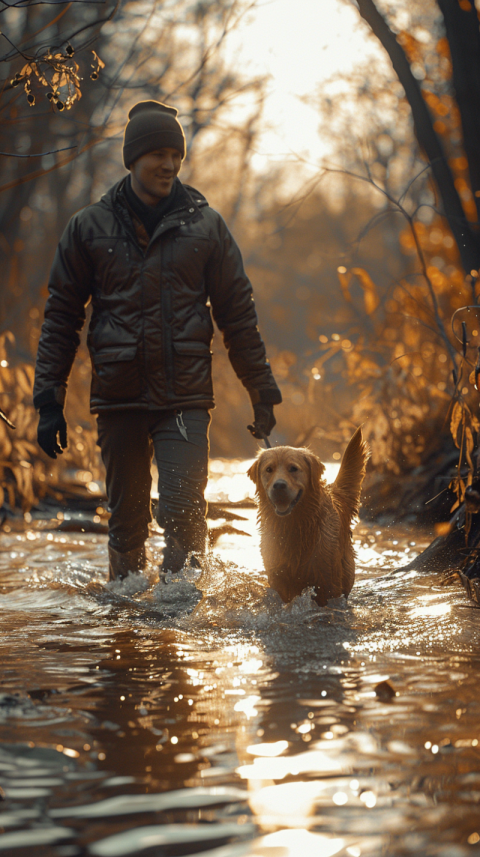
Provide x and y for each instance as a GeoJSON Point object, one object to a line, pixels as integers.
{"type": "Point", "coordinates": [180, 425]}
{"type": "Point", "coordinates": [267, 442]}
{"type": "Point", "coordinates": [264, 437]}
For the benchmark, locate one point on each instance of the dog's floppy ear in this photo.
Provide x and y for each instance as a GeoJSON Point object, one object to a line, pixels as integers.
{"type": "Point", "coordinates": [252, 472]}
{"type": "Point", "coordinates": [315, 467]}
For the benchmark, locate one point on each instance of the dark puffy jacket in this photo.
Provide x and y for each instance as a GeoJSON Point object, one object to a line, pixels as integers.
{"type": "Point", "coordinates": [150, 331]}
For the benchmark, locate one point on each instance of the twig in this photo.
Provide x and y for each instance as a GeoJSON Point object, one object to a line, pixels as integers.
{"type": "Point", "coordinates": [69, 38]}
{"type": "Point", "coordinates": [409, 218]}
{"type": "Point", "coordinates": [37, 154]}
{"type": "Point", "coordinates": [17, 50]}
{"type": "Point", "coordinates": [412, 181]}
{"type": "Point", "coordinates": [211, 49]}
{"type": "Point", "coordinates": [22, 4]}
{"type": "Point", "coordinates": [5, 419]}
{"type": "Point", "coordinates": [37, 173]}
{"type": "Point", "coordinates": [460, 309]}
{"type": "Point", "coordinates": [46, 26]}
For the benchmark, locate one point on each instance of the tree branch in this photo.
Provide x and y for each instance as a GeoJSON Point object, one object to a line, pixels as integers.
{"type": "Point", "coordinates": [26, 4]}
{"type": "Point", "coordinates": [37, 173]}
{"type": "Point", "coordinates": [428, 140]}
{"type": "Point", "coordinates": [36, 154]}
{"type": "Point", "coordinates": [421, 256]}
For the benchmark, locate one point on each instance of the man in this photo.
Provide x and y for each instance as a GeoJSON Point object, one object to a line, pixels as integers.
{"type": "Point", "coordinates": [153, 258]}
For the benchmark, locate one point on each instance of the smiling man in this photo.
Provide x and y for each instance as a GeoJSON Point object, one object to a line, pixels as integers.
{"type": "Point", "coordinates": [155, 261]}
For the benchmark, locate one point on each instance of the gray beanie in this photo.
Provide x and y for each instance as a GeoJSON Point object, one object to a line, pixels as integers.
{"type": "Point", "coordinates": [152, 125]}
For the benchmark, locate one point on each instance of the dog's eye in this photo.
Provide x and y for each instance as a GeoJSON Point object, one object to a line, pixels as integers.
{"type": "Point", "coordinates": [293, 468]}
{"type": "Point", "coordinates": [269, 469]}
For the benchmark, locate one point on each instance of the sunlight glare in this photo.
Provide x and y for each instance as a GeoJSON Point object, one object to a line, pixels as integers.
{"type": "Point", "coordinates": [331, 471]}
{"type": "Point", "coordinates": [291, 843]}
{"type": "Point", "coordinates": [340, 798]}
{"type": "Point", "coordinates": [432, 611]}
{"type": "Point", "coordinates": [250, 666]}
{"type": "Point", "coordinates": [299, 47]}
{"type": "Point", "coordinates": [274, 749]}
{"type": "Point", "coordinates": [369, 799]}
{"type": "Point", "coordinates": [247, 706]}
{"type": "Point", "coordinates": [288, 804]}
{"type": "Point", "coordinates": [228, 480]}
{"type": "Point", "coordinates": [280, 767]}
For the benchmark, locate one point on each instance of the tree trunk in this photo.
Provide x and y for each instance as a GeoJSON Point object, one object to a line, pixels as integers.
{"type": "Point", "coordinates": [467, 242]}
{"type": "Point", "coordinates": [463, 36]}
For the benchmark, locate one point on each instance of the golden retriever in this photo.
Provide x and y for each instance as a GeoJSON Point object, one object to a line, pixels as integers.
{"type": "Point", "coordinates": [305, 524]}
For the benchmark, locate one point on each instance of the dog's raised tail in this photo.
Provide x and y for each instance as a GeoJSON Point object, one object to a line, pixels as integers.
{"type": "Point", "coordinates": [349, 479]}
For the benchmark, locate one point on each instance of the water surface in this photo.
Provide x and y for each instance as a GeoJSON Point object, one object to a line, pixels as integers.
{"type": "Point", "coordinates": [201, 715]}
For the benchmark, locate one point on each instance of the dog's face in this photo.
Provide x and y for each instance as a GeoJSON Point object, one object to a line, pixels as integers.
{"type": "Point", "coordinates": [284, 474]}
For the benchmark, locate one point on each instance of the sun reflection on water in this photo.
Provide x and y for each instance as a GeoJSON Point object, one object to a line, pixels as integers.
{"type": "Point", "coordinates": [228, 480]}
{"type": "Point", "coordinates": [272, 710]}
{"type": "Point", "coordinates": [292, 843]}
{"type": "Point", "coordinates": [269, 750]}
{"type": "Point", "coordinates": [286, 805]}
{"type": "Point", "coordinates": [431, 611]}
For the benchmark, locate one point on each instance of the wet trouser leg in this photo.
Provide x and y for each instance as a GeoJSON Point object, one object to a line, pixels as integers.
{"type": "Point", "coordinates": [125, 439]}
{"type": "Point", "coordinates": [182, 479]}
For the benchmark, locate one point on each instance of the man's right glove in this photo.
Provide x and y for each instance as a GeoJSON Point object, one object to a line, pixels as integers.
{"type": "Point", "coordinates": [52, 423]}
{"type": "Point", "coordinates": [263, 422]}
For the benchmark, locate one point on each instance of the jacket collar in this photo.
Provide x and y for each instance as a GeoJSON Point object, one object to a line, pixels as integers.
{"type": "Point", "coordinates": [188, 208]}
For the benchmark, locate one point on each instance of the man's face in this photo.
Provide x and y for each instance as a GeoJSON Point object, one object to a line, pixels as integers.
{"type": "Point", "coordinates": [154, 173]}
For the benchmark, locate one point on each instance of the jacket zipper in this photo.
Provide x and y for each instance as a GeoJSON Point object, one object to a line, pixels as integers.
{"type": "Point", "coordinates": [166, 304]}
{"type": "Point", "coordinates": [165, 300]}
{"type": "Point", "coordinates": [165, 297]}
{"type": "Point", "coordinates": [130, 232]}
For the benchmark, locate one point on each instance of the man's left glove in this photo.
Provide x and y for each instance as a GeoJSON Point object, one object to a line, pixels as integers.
{"type": "Point", "coordinates": [263, 420]}
{"type": "Point", "coordinates": [52, 423]}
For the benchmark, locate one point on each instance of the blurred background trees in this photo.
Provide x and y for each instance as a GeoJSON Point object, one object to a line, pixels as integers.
{"type": "Point", "coordinates": [407, 135]}
{"type": "Point", "coordinates": [357, 269]}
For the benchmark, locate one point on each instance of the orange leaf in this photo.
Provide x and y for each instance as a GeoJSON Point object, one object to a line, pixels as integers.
{"type": "Point", "coordinates": [370, 296]}
{"type": "Point", "coordinates": [443, 528]}
{"type": "Point", "coordinates": [469, 446]}
{"type": "Point", "coordinates": [455, 422]}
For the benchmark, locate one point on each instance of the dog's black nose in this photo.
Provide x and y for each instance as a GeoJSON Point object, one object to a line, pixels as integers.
{"type": "Point", "coordinates": [279, 485]}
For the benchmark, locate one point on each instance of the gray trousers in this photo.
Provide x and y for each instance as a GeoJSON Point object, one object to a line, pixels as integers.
{"type": "Point", "coordinates": [128, 440]}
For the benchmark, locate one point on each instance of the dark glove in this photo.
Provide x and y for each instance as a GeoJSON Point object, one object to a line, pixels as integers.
{"type": "Point", "coordinates": [263, 420]}
{"type": "Point", "coordinates": [52, 422]}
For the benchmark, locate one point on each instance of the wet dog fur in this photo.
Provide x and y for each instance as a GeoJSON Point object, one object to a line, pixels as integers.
{"type": "Point", "coordinates": [305, 524]}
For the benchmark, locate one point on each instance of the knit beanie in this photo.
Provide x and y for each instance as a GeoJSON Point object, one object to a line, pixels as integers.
{"type": "Point", "coordinates": [152, 125]}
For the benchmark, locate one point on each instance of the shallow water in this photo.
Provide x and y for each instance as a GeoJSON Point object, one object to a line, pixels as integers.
{"type": "Point", "coordinates": [204, 716]}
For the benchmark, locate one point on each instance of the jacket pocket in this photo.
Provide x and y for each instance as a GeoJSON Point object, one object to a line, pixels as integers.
{"type": "Point", "coordinates": [192, 374]}
{"type": "Point", "coordinates": [116, 373]}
